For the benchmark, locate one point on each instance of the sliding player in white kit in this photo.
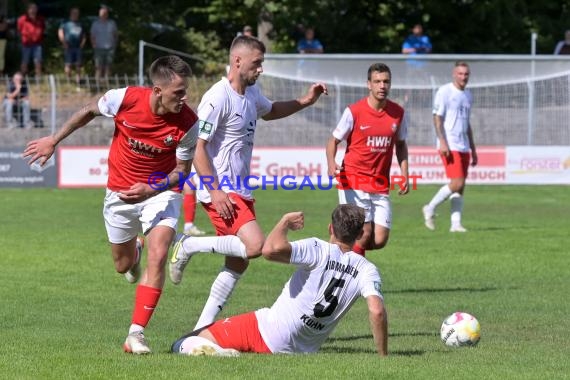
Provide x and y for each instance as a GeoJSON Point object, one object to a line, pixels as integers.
{"type": "Point", "coordinates": [228, 114]}
{"type": "Point", "coordinates": [328, 280]}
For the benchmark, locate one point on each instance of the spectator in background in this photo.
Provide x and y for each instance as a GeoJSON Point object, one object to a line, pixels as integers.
{"type": "Point", "coordinates": [247, 31]}
{"type": "Point", "coordinates": [31, 27]}
{"type": "Point", "coordinates": [104, 37]}
{"type": "Point", "coordinates": [72, 36]}
{"type": "Point", "coordinates": [417, 42]}
{"type": "Point", "coordinates": [563, 47]}
{"type": "Point", "coordinates": [17, 97]}
{"type": "Point", "coordinates": [309, 44]}
{"type": "Point", "coordinates": [3, 42]}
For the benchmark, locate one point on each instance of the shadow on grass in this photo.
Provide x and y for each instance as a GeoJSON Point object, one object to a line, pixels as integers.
{"type": "Point", "coordinates": [369, 336]}
{"type": "Point", "coordinates": [441, 290]}
{"type": "Point", "coordinates": [355, 350]}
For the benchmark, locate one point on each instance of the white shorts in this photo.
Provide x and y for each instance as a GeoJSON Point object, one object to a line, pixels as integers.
{"type": "Point", "coordinates": [377, 207]}
{"type": "Point", "coordinates": [124, 221]}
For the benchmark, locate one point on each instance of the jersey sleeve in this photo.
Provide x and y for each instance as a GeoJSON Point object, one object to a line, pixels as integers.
{"type": "Point", "coordinates": [187, 145]}
{"type": "Point", "coordinates": [439, 102]}
{"type": "Point", "coordinates": [371, 283]}
{"type": "Point", "coordinates": [403, 131]}
{"type": "Point", "coordinates": [262, 104]}
{"type": "Point", "coordinates": [306, 252]}
{"type": "Point", "coordinates": [110, 103]}
{"type": "Point", "coordinates": [344, 126]}
{"type": "Point", "coordinates": [210, 114]}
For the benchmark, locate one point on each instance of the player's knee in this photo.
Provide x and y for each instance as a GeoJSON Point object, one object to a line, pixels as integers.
{"type": "Point", "coordinates": [381, 240]}
{"type": "Point", "coordinates": [157, 259]}
{"type": "Point", "coordinates": [380, 243]}
{"type": "Point", "coordinates": [122, 265]}
{"type": "Point", "coordinates": [237, 265]}
{"type": "Point", "coordinates": [254, 250]}
{"type": "Point", "coordinates": [457, 185]}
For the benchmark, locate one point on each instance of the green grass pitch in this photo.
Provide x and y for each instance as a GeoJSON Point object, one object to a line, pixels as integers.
{"type": "Point", "coordinates": [64, 312]}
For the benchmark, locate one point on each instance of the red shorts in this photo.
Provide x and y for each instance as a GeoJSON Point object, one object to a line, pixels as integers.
{"type": "Point", "coordinates": [244, 213]}
{"type": "Point", "coordinates": [456, 164]}
{"type": "Point", "coordinates": [241, 333]}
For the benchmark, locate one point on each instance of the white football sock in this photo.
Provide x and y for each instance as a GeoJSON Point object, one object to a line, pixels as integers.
{"type": "Point", "coordinates": [456, 208]}
{"type": "Point", "coordinates": [192, 342]}
{"type": "Point", "coordinates": [225, 245]}
{"type": "Point", "coordinates": [135, 328]}
{"type": "Point", "coordinates": [188, 225]}
{"type": "Point", "coordinates": [443, 193]}
{"type": "Point", "coordinates": [220, 292]}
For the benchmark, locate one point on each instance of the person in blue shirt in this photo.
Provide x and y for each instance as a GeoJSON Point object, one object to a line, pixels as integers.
{"type": "Point", "coordinates": [309, 44]}
{"type": "Point", "coordinates": [417, 42]}
{"type": "Point", "coordinates": [72, 36]}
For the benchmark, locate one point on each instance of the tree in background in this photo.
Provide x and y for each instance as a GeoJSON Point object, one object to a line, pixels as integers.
{"type": "Point", "coordinates": [206, 27]}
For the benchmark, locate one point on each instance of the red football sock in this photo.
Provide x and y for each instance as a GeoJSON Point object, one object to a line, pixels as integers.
{"type": "Point", "coordinates": [146, 299]}
{"type": "Point", "coordinates": [189, 208]}
{"type": "Point", "coordinates": [356, 248]}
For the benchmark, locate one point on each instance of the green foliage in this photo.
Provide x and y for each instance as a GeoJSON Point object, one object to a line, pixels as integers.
{"type": "Point", "coordinates": [206, 27]}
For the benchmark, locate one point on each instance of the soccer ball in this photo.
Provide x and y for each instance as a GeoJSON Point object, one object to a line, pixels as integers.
{"type": "Point", "coordinates": [460, 329]}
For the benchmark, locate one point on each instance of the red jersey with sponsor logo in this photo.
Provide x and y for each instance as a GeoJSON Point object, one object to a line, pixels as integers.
{"type": "Point", "coordinates": [370, 144]}
{"type": "Point", "coordinates": [143, 143]}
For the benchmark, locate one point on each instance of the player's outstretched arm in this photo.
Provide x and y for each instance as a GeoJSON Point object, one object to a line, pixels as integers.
{"type": "Point", "coordinates": [42, 149]}
{"type": "Point", "coordinates": [277, 246]}
{"type": "Point", "coordinates": [283, 109]}
{"type": "Point", "coordinates": [378, 323]}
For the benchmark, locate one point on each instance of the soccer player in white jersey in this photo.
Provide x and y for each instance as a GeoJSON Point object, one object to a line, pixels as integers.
{"type": "Point", "coordinates": [452, 110]}
{"type": "Point", "coordinates": [228, 114]}
{"type": "Point", "coordinates": [328, 280]}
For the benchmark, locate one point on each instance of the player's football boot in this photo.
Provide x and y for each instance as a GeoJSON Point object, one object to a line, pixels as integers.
{"type": "Point", "coordinates": [206, 350]}
{"type": "Point", "coordinates": [429, 218]}
{"type": "Point", "coordinates": [136, 344]}
{"type": "Point", "coordinates": [194, 231]}
{"type": "Point", "coordinates": [179, 260]}
{"type": "Point", "coordinates": [457, 228]}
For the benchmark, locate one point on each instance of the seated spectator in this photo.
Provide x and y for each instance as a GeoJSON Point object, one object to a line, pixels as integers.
{"type": "Point", "coordinates": [563, 47]}
{"type": "Point", "coordinates": [417, 42]}
{"type": "Point", "coordinates": [309, 44]}
{"type": "Point", "coordinates": [17, 98]}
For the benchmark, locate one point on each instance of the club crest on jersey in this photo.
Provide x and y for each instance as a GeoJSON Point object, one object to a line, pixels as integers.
{"type": "Point", "coordinates": [205, 127]}
{"type": "Point", "coordinates": [378, 286]}
{"type": "Point", "coordinates": [394, 127]}
{"type": "Point", "coordinates": [169, 140]}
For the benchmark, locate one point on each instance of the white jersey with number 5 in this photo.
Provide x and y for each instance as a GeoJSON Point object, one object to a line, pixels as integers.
{"type": "Point", "coordinates": [454, 105]}
{"type": "Point", "coordinates": [323, 288]}
{"type": "Point", "coordinates": [227, 122]}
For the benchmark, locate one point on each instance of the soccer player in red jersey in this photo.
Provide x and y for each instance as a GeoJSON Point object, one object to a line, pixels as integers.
{"type": "Point", "coordinates": [154, 141]}
{"type": "Point", "coordinates": [371, 127]}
